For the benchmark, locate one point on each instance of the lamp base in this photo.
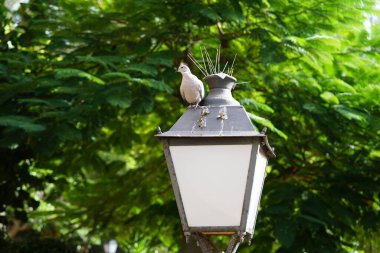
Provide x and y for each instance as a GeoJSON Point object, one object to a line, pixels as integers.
{"type": "Point", "coordinates": [206, 245]}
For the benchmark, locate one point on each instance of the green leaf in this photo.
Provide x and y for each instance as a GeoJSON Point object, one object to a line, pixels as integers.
{"type": "Point", "coordinates": [256, 105]}
{"type": "Point", "coordinates": [278, 210]}
{"type": "Point", "coordinates": [375, 154]}
{"type": "Point", "coordinates": [49, 102]}
{"type": "Point", "coordinates": [161, 86]}
{"type": "Point", "coordinates": [210, 13]}
{"type": "Point", "coordinates": [65, 73]}
{"type": "Point", "coordinates": [312, 219]}
{"type": "Point", "coordinates": [119, 97]}
{"type": "Point", "coordinates": [351, 114]}
{"type": "Point", "coordinates": [66, 132]}
{"type": "Point", "coordinates": [312, 85]}
{"type": "Point", "coordinates": [164, 58]}
{"type": "Point", "coordinates": [158, 85]}
{"type": "Point", "coordinates": [330, 98]}
{"type": "Point", "coordinates": [92, 59]}
{"type": "Point", "coordinates": [111, 75]}
{"type": "Point", "coordinates": [143, 68]}
{"type": "Point", "coordinates": [339, 85]}
{"type": "Point", "coordinates": [22, 122]}
{"type": "Point", "coordinates": [230, 13]}
{"type": "Point", "coordinates": [266, 4]}
{"type": "Point", "coordinates": [295, 40]}
{"type": "Point", "coordinates": [314, 108]}
{"type": "Point", "coordinates": [268, 124]}
{"type": "Point", "coordinates": [309, 83]}
{"type": "Point", "coordinates": [285, 232]}
{"type": "Point", "coordinates": [312, 63]}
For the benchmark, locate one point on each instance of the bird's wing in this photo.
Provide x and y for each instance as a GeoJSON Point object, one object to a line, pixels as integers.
{"type": "Point", "coordinates": [182, 92]}
{"type": "Point", "coordinates": [201, 89]}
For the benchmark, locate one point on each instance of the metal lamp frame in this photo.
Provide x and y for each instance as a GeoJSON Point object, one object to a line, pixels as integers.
{"type": "Point", "coordinates": [219, 121]}
{"type": "Point", "coordinates": [239, 233]}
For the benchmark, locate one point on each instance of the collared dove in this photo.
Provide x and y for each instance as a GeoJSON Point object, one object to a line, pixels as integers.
{"type": "Point", "coordinates": [192, 90]}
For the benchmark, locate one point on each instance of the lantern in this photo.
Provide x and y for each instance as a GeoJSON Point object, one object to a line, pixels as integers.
{"type": "Point", "coordinates": [217, 161]}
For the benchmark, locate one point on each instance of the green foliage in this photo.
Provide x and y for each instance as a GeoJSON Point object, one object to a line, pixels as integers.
{"type": "Point", "coordinates": [25, 123]}
{"type": "Point", "coordinates": [67, 73]}
{"type": "Point", "coordinates": [84, 84]}
{"type": "Point", "coordinates": [33, 243]}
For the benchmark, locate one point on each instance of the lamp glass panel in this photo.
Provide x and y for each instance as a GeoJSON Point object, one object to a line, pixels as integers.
{"type": "Point", "coordinates": [212, 181]}
{"type": "Point", "coordinates": [258, 181]}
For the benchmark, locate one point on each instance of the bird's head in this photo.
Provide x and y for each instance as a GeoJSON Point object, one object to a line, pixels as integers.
{"type": "Point", "coordinates": [183, 68]}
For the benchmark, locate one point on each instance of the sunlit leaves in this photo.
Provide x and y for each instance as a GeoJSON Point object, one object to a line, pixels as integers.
{"type": "Point", "coordinates": [264, 122]}
{"type": "Point", "coordinates": [351, 114]}
{"type": "Point", "coordinates": [330, 98]}
{"type": "Point", "coordinates": [68, 73]}
{"type": "Point", "coordinates": [251, 103]}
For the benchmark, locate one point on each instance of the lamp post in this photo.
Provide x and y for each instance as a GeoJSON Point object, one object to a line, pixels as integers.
{"type": "Point", "coordinates": [217, 160]}
{"type": "Point", "coordinates": [110, 246]}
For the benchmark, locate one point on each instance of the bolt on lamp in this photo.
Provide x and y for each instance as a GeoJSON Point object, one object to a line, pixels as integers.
{"type": "Point", "coordinates": [217, 161]}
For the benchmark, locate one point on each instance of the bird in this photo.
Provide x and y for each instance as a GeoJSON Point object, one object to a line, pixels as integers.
{"type": "Point", "coordinates": [191, 89]}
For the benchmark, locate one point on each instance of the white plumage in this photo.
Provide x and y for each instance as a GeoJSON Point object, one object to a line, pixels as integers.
{"type": "Point", "coordinates": [192, 90]}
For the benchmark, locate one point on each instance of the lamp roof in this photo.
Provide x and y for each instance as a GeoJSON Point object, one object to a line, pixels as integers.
{"type": "Point", "coordinates": [219, 116]}
{"type": "Point", "coordinates": [212, 121]}
{"type": "Point", "coordinates": [216, 121]}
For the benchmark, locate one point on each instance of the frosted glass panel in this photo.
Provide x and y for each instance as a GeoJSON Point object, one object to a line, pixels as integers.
{"type": "Point", "coordinates": [212, 181]}
{"type": "Point", "coordinates": [258, 181]}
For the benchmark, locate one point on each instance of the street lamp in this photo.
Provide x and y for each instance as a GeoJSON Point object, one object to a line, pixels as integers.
{"type": "Point", "coordinates": [110, 246]}
{"type": "Point", "coordinates": [217, 160]}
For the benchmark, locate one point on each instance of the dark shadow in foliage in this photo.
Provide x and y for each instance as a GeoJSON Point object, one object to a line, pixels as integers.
{"type": "Point", "coordinates": [32, 242]}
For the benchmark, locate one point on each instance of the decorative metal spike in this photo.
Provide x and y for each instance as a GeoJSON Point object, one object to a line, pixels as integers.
{"type": "Point", "coordinates": [216, 61]}
{"type": "Point", "coordinates": [210, 67]}
{"type": "Point", "coordinates": [219, 60]}
{"type": "Point", "coordinates": [204, 62]}
{"type": "Point", "coordinates": [197, 64]}
{"type": "Point", "coordinates": [225, 67]}
{"type": "Point", "coordinates": [232, 66]}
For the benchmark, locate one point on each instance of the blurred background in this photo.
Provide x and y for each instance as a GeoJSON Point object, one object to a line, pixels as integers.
{"type": "Point", "coordinates": [85, 83]}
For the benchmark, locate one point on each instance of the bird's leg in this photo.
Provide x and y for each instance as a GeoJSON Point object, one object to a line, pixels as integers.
{"type": "Point", "coordinates": [195, 106]}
